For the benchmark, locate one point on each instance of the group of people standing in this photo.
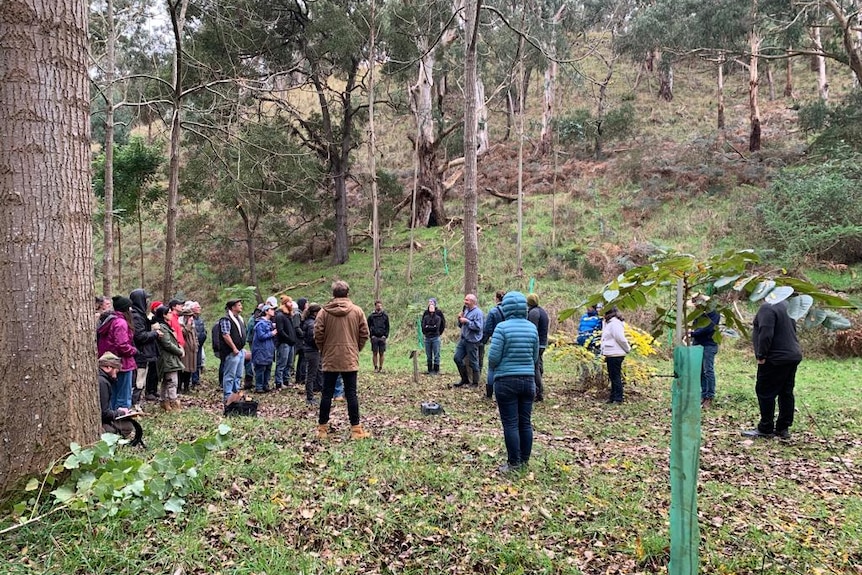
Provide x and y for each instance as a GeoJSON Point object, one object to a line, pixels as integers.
{"type": "Point", "coordinates": [159, 349]}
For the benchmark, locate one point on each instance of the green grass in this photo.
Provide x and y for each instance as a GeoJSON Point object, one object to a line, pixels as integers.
{"type": "Point", "coordinates": [422, 496]}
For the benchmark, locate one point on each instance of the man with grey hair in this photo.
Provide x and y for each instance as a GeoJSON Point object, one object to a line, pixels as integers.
{"type": "Point", "coordinates": [472, 320]}
{"type": "Point", "coordinates": [340, 333]}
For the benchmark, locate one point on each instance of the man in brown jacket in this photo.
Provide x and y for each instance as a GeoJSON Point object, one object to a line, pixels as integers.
{"type": "Point", "coordinates": [340, 333]}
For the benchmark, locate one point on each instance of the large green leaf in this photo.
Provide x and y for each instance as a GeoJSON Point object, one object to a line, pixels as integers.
{"type": "Point", "coordinates": [836, 321]}
{"type": "Point", "coordinates": [813, 318]}
{"type": "Point", "coordinates": [778, 294]}
{"type": "Point", "coordinates": [762, 289]}
{"type": "Point", "coordinates": [797, 307]}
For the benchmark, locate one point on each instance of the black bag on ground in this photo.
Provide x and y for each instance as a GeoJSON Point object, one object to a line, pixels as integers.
{"type": "Point", "coordinates": [237, 404]}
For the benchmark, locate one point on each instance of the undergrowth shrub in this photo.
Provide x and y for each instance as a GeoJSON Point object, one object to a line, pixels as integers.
{"type": "Point", "coordinates": [836, 125]}
{"type": "Point", "coordinates": [815, 210]}
{"type": "Point", "coordinates": [587, 369]}
{"type": "Point", "coordinates": [110, 481]}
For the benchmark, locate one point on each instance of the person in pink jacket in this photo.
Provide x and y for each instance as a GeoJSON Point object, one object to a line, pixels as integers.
{"type": "Point", "coordinates": [115, 334]}
{"type": "Point", "coordinates": [615, 346]}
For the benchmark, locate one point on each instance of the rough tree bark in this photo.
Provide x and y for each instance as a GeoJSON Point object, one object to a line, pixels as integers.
{"type": "Point", "coordinates": [47, 376]}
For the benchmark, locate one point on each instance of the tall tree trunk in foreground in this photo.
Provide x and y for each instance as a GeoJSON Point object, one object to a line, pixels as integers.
{"type": "Point", "coordinates": [177, 10]}
{"type": "Point", "coordinates": [47, 376]}
{"type": "Point", "coordinates": [471, 234]}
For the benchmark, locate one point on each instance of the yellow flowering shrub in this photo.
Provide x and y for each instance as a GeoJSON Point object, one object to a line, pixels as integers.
{"type": "Point", "coordinates": [587, 369]}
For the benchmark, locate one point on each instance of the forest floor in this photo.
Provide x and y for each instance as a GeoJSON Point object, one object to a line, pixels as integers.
{"type": "Point", "coordinates": [423, 495]}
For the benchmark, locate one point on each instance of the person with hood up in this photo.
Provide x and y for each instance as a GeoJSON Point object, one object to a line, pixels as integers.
{"type": "Point", "coordinates": [340, 332]}
{"type": "Point", "coordinates": [170, 362]}
{"type": "Point", "coordinates": [190, 346]}
{"type": "Point", "coordinates": [146, 341]}
{"type": "Point", "coordinates": [513, 355]}
{"type": "Point", "coordinates": [116, 334]}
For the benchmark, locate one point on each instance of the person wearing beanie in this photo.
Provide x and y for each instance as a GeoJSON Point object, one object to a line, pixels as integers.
{"type": "Point", "coordinates": [115, 334]}
{"type": "Point", "coordinates": [190, 346]}
{"type": "Point", "coordinates": [433, 324]}
{"type": "Point", "coordinates": [170, 362]}
{"type": "Point", "coordinates": [539, 318]}
{"type": "Point", "coordinates": [109, 367]}
{"type": "Point", "coordinates": [286, 342]}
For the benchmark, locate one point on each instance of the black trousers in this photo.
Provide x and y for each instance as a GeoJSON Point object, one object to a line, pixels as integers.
{"type": "Point", "coordinates": [329, 379]}
{"type": "Point", "coordinates": [775, 381]}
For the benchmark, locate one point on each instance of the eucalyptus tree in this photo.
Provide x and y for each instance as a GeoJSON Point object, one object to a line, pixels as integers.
{"type": "Point", "coordinates": [259, 172]}
{"type": "Point", "coordinates": [117, 33]}
{"type": "Point", "coordinates": [136, 171]}
{"type": "Point", "coordinates": [49, 398]}
{"type": "Point", "coordinates": [471, 235]}
{"type": "Point", "coordinates": [419, 41]}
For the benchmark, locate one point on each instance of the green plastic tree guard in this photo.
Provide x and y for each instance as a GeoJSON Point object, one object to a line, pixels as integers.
{"type": "Point", "coordinates": [685, 461]}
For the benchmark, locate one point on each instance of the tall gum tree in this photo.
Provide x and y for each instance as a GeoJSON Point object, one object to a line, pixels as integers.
{"type": "Point", "coordinates": [47, 367]}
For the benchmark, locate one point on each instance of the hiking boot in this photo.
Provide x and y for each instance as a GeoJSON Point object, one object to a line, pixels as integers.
{"type": "Point", "coordinates": [706, 403]}
{"type": "Point", "coordinates": [758, 433]}
{"type": "Point", "coordinates": [358, 432]}
{"type": "Point", "coordinates": [506, 468]}
{"type": "Point", "coordinates": [323, 431]}
{"type": "Point", "coordinates": [783, 434]}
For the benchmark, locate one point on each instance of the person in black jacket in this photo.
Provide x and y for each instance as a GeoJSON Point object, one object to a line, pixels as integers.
{"type": "Point", "coordinates": [433, 326]}
{"type": "Point", "coordinates": [313, 376]}
{"type": "Point", "coordinates": [378, 327]}
{"type": "Point", "coordinates": [539, 318]}
{"type": "Point", "coordinates": [778, 356]}
{"type": "Point", "coordinates": [146, 340]}
{"type": "Point", "coordinates": [287, 340]}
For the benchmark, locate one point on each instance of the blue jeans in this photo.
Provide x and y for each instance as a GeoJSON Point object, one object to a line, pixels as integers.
{"type": "Point", "coordinates": [283, 362]}
{"type": "Point", "coordinates": [234, 368]}
{"type": "Point", "coordinates": [261, 376]}
{"type": "Point", "coordinates": [707, 372]}
{"type": "Point", "coordinates": [339, 386]}
{"type": "Point", "coordinates": [465, 352]}
{"type": "Point", "coordinates": [432, 349]}
{"type": "Point", "coordinates": [122, 393]}
{"type": "Point", "coordinates": [515, 401]}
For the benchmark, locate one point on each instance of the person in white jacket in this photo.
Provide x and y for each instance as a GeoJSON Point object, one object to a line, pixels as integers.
{"type": "Point", "coordinates": [615, 346]}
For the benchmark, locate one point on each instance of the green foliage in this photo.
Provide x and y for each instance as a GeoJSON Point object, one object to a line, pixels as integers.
{"type": "Point", "coordinates": [114, 482]}
{"type": "Point", "coordinates": [816, 211]}
{"type": "Point", "coordinates": [587, 368]}
{"type": "Point", "coordinates": [136, 171]}
{"type": "Point", "coordinates": [835, 125]}
{"type": "Point", "coordinates": [723, 272]}
{"type": "Point", "coordinates": [581, 127]}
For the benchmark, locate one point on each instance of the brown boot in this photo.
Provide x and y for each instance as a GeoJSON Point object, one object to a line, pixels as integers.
{"type": "Point", "coordinates": [167, 406]}
{"type": "Point", "coordinates": [323, 431]}
{"type": "Point", "coordinates": [357, 432]}
{"type": "Point", "coordinates": [177, 406]}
